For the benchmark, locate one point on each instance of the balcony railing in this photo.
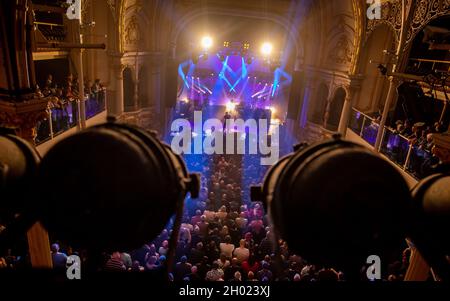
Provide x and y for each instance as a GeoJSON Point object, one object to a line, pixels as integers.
{"type": "Point", "coordinates": [411, 158]}
{"type": "Point", "coordinates": [64, 116]}
{"type": "Point", "coordinates": [51, 31]}
{"type": "Point", "coordinates": [365, 126]}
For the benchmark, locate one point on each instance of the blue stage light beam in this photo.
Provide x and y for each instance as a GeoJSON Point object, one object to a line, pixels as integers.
{"type": "Point", "coordinates": [278, 74]}
{"type": "Point", "coordinates": [244, 69]}
{"type": "Point", "coordinates": [181, 73]}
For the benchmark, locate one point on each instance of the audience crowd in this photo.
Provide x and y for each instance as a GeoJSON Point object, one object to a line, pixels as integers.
{"type": "Point", "coordinates": [223, 236]}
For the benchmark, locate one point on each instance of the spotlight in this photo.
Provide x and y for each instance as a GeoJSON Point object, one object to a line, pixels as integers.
{"type": "Point", "coordinates": [272, 109]}
{"type": "Point", "coordinates": [230, 106]}
{"type": "Point", "coordinates": [206, 42]}
{"type": "Point", "coordinates": [266, 48]}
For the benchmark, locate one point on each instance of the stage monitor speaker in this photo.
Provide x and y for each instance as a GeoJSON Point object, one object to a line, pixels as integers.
{"type": "Point", "coordinates": [171, 86]}
{"type": "Point", "coordinates": [295, 95]}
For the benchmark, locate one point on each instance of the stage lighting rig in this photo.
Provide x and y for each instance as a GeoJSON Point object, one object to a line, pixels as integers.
{"type": "Point", "coordinates": [266, 49]}
{"type": "Point", "coordinates": [206, 42]}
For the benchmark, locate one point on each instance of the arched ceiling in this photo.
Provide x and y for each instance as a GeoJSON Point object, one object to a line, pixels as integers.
{"type": "Point", "coordinates": [315, 28]}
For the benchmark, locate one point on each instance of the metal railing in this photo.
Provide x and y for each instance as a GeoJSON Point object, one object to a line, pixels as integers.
{"type": "Point", "coordinates": [396, 147]}
{"type": "Point", "coordinates": [412, 158]}
{"type": "Point", "coordinates": [64, 116]}
{"type": "Point", "coordinates": [421, 66]}
{"type": "Point", "coordinates": [365, 126]}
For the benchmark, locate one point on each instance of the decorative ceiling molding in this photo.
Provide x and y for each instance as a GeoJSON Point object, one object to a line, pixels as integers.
{"type": "Point", "coordinates": [425, 12]}
{"type": "Point", "coordinates": [391, 15]}
{"type": "Point", "coordinates": [342, 51]}
{"type": "Point", "coordinates": [132, 32]}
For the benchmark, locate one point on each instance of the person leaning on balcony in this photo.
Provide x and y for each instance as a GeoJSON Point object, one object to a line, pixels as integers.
{"type": "Point", "coordinates": [407, 128]}
{"type": "Point", "coordinates": [399, 127]}
{"type": "Point", "coordinates": [417, 130]}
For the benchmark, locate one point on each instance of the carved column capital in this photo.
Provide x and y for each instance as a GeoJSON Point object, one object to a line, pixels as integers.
{"type": "Point", "coordinates": [23, 116]}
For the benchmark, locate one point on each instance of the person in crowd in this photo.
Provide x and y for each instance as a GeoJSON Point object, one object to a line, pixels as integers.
{"type": "Point", "coordinates": [232, 269]}
{"type": "Point", "coordinates": [237, 277]}
{"type": "Point", "coordinates": [182, 269]}
{"type": "Point", "coordinates": [242, 253]}
{"type": "Point", "coordinates": [164, 248]}
{"type": "Point", "coordinates": [251, 264]}
{"type": "Point", "coordinates": [265, 272]}
{"type": "Point", "coordinates": [136, 267]}
{"type": "Point", "coordinates": [115, 264]}
{"type": "Point", "coordinates": [215, 273]}
{"type": "Point", "coordinates": [227, 248]}
{"type": "Point", "coordinates": [196, 218]}
{"type": "Point", "coordinates": [59, 259]}
{"type": "Point", "coordinates": [126, 259]}
{"type": "Point", "coordinates": [222, 214]}
{"type": "Point", "coordinates": [212, 252]}
{"type": "Point", "coordinates": [203, 226]}
{"type": "Point", "coordinates": [223, 262]}
{"type": "Point", "coordinates": [197, 253]}
{"type": "Point", "coordinates": [152, 263]}
{"type": "Point", "coordinates": [194, 276]}
{"type": "Point", "coordinates": [251, 276]}
{"type": "Point", "coordinates": [242, 221]}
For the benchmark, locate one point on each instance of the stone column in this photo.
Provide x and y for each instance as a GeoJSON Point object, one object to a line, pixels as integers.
{"type": "Point", "coordinates": [115, 90]}
{"type": "Point", "coordinates": [310, 92]}
{"type": "Point", "coordinates": [156, 86]}
{"type": "Point", "coordinates": [346, 112]}
{"type": "Point", "coordinates": [136, 94]}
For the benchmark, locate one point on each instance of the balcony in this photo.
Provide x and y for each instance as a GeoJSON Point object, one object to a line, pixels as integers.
{"type": "Point", "coordinates": [63, 116]}
{"type": "Point", "coordinates": [411, 158]}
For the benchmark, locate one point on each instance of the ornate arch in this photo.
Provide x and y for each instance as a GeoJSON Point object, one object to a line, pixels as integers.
{"type": "Point", "coordinates": [425, 12]}
{"type": "Point", "coordinates": [336, 88]}
{"type": "Point", "coordinates": [359, 25]}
